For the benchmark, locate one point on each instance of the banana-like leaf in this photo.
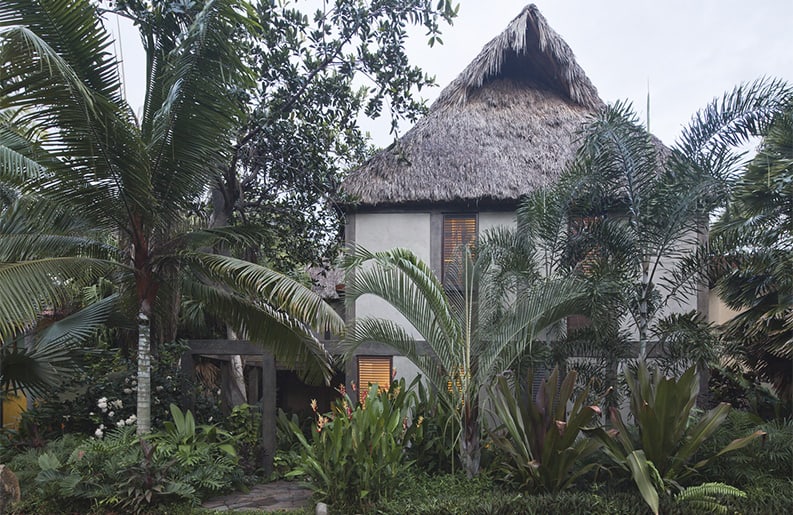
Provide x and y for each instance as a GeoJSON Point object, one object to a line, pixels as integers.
{"type": "Point", "coordinates": [641, 472]}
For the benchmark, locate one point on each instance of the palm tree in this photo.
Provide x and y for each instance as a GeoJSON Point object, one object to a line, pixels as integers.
{"type": "Point", "coordinates": [71, 144]}
{"type": "Point", "coordinates": [474, 329]}
{"type": "Point", "coordinates": [754, 242]}
{"type": "Point", "coordinates": [637, 211]}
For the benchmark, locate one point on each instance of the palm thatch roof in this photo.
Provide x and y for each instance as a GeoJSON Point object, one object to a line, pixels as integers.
{"type": "Point", "coordinates": [503, 128]}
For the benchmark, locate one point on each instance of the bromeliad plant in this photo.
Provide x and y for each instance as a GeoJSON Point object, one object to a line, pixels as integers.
{"type": "Point", "coordinates": [540, 437]}
{"type": "Point", "coordinates": [357, 454]}
{"type": "Point", "coordinates": [668, 433]}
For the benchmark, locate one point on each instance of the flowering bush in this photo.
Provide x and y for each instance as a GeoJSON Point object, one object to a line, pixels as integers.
{"type": "Point", "coordinates": [103, 396]}
{"type": "Point", "coordinates": [357, 453]}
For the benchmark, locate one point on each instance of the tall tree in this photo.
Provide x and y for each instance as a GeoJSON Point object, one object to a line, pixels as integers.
{"type": "Point", "coordinates": [318, 74]}
{"type": "Point", "coordinates": [629, 212]}
{"type": "Point", "coordinates": [474, 329]}
{"type": "Point", "coordinates": [76, 147]}
{"type": "Point", "coordinates": [752, 259]}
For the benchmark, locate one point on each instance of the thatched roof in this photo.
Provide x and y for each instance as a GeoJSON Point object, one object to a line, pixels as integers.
{"type": "Point", "coordinates": [501, 129]}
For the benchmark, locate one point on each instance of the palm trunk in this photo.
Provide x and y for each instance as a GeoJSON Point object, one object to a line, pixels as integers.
{"type": "Point", "coordinates": [144, 375]}
{"type": "Point", "coordinates": [470, 449]}
{"type": "Point", "coordinates": [643, 314]}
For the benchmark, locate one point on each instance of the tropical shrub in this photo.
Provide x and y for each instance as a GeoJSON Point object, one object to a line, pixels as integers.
{"type": "Point", "coordinates": [540, 439]}
{"type": "Point", "coordinates": [102, 396]}
{"type": "Point", "coordinates": [204, 455]}
{"type": "Point", "coordinates": [669, 435]}
{"type": "Point", "coordinates": [754, 465]}
{"type": "Point", "coordinates": [184, 462]}
{"type": "Point", "coordinates": [434, 451]}
{"type": "Point", "coordinates": [244, 423]}
{"type": "Point", "coordinates": [119, 471]}
{"type": "Point", "coordinates": [356, 455]}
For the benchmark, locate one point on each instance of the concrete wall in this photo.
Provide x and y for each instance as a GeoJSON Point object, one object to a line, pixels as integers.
{"type": "Point", "coordinates": [384, 231]}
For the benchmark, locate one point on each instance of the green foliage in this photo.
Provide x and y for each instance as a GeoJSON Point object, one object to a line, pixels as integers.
{"type": "Point", "coordinates": [244, 423]}
{"type": "Point", "coordinates": [204, 454]}
{"type": "Point", "coordinates": [764, 460]}
{"type": "Point", "coordinates": [434, 451]}
{"type": "Point", "coordinates": [707, 497]}
{"type": "Point", "coordinates": [540, 438]}
{"type": "Point", "coordinates": [475, 330]}
{"type": "Point", "coordinates": [120, 471]}
{"type": "Point", "coordinates": [668, 435]}
{"type": "Point", "coordinates": [751, 259]}
{"type": "Point", "coordinates": [356, 455]}
{"type": "Point", "coordinates": [744, 391]}
{"type": "Point", "coordinates": [106, 375]}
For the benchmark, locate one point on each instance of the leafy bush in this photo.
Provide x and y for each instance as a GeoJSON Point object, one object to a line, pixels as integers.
{"type": "Point", "coordinates": [204, 455]}
{"type": "Point", "coordinates": [436, 449]}
{"type": "Point", "coordinates": [244, 423]}
{"type": "Point", "coordinates": [357, 454]}
{"type": "Point", "coordinates": [539, 437]}
{"type": "Point", "coordinates": [103, 396]}
{"type": "Point", "coordinates": [662, 454]}
{"type": "Point", "coordinates": [766, 458]}
{"type": "Point", "coordinates": [744, 391]}
{"type": "Point", "coordinates": [121, 471]}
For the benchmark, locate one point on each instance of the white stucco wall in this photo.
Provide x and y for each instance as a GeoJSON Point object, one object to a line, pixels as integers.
{"type": "Point", "coordinates": [489, 220]}
{"type": "Point", "coordinates": [403, 367]}
{"type": "Point", "coordinates": [383, 231]}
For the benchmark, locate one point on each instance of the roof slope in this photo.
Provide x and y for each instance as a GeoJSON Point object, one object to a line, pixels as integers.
{"type": "Point", "coordinates": [501, 129]}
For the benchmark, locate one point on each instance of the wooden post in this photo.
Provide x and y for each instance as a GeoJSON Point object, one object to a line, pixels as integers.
{"type": "Point", "coordinates": [268, 411]}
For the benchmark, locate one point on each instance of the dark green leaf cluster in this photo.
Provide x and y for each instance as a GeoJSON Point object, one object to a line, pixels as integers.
{"type": "Point", "coordinates": [357, 452]}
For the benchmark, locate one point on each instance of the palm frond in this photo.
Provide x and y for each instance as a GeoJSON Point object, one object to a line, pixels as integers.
{"type": "Point", "coordinates": [290, 340]}
{"type": "Point", "coordinates": [28, 288]}
{"type": "Point", "coordinates": [400, 278]}
{"type": "Point", "coordinates": [191, 130]}
{"type": "Point", "coordinates": [264, 285]}
{"type": "Point", "coordinates": [42, 365]}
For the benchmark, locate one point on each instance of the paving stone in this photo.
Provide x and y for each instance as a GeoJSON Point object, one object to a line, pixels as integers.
{"type": "Point", "coordinates": [276, 496]}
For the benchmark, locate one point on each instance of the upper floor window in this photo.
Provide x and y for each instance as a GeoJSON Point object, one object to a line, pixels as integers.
{"type": "Point", "coordinates": [459, 231]}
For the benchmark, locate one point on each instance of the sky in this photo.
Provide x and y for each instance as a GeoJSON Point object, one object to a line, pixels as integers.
{"type": "Point", "coordinates": [684, 52]}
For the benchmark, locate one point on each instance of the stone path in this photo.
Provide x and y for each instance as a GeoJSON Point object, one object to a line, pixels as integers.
{"type": "Point", "coordinates": [275, 496]}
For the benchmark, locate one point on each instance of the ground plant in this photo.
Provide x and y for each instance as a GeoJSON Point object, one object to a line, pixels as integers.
{"type": "Point", "coordinates": [356, 453]}
{"type": "Point", "coordinates": [660, 456]}
{"type": "Point", "coordinates": [539, 436]}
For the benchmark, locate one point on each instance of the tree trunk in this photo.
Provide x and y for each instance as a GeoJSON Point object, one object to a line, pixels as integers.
{"type": "Point", "coordinates": [643, 311]}
{"type": "Point", "coordinates": [144, 375]}
{"type": "Point", "coordinates": [470, 449]}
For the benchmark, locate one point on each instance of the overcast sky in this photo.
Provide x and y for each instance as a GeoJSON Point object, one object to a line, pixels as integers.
{"type": "Point", "coordinates": [688, 51]}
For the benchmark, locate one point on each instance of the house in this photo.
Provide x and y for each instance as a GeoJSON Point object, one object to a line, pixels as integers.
{"type": "Point", "coordinates": [503, 128]}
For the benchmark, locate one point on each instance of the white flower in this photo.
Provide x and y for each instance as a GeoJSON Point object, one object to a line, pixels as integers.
{"type": "Point", "coordinates": [118, 403]}
{"type": "Point", "coordinates": [167, 378]}
{"type": "Point", "coordinates": [131, 420]}
{"type": "Point", "coordinates": [99, 433]}
{"type": "Point", "coordinates": [111, 414]}
{"type": "Point", "coordinates": [102, 403]}
{"type": "Point", "coordinates": [120, 423]}
{"type": "Point", "coordinates": [127, 391]}
{"type": "Point", "coordinates": [159, 388]}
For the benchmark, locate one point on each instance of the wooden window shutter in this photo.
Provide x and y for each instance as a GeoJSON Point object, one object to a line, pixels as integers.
{"type": "Point", "coordinates": [373, 370]}
{"type": "Point", "coordinates": [458, 231]}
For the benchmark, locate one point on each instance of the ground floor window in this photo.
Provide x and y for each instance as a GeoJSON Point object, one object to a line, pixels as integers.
{"type": "Point", "coordinates": [373, 370]}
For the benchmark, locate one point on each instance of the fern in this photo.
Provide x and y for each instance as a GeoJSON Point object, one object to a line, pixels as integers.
{"type": "Point", "coordinates": [705, 497]}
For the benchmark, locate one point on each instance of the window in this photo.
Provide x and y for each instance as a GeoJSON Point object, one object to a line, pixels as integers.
{"type": "Point", "coordinates": [458, 231]}
{"type": "Point", "coordinates": [373, 370]}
